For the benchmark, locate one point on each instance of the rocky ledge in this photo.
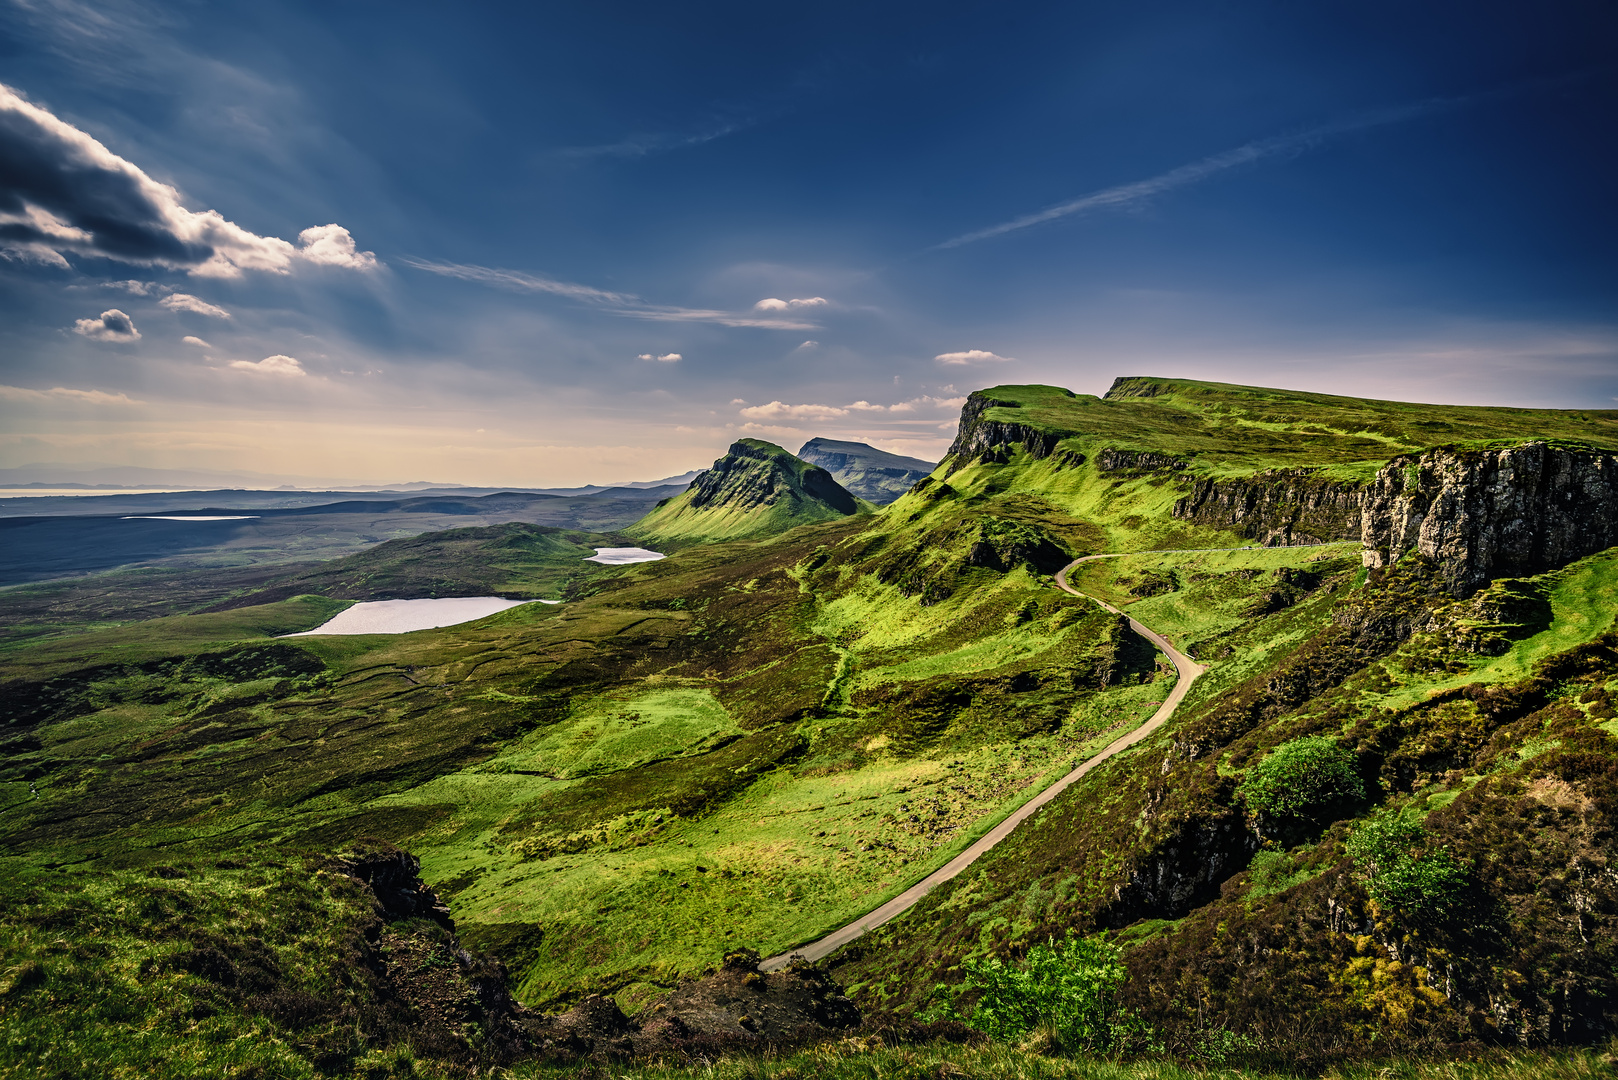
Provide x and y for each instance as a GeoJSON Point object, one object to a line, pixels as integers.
{"type": "Point", "coordinates": [1483, 514]}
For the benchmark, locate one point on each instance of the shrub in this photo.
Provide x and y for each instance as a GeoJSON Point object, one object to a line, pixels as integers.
{"type": "Point", "coordinates": [1401, 871]}
{"type": "Point", "coordinates": [1067, 990]}
{"type": "Point", "coordinates": [1299, 777]}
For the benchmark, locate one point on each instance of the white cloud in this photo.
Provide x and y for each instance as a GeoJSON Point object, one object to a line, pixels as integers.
{"type": "Point", "coordinates": [331, 245]}
{"type": "Point", "coordinates": [186, 302]}
{"type": "Point", "coordinates": [972, 356]}
{"type": "Point", "coordinates": [928, 401]}
{"type": "Point", "coordinates": [138, 288]}
{"type": "Point", "coordinates": [809, 345]}
{"type": "Point", "coordinates": [780, 410]}
{"type": "Point", "coordinates": [866, 406]}
{"type": "Point", "coordinates": [198, 342]}
{"type": "Point", "coordinates": [81, 198]}
{"type": "Point", "coordinates": [738, 401]}
{"type": "Point", "coordinates": [112, 325]}
{"type": "Point", "coordinates": [272, 365]}
{"type": "Point", "coordinates": [666, 358]}
{"type": "Point", "coordinates": [772, 304]}
{"type": "Point", "coordinates": [62, 393]}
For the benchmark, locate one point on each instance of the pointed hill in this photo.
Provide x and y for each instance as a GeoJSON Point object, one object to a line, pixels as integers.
{"type": "Point", "coordinates": [757, 489]}
{"type": "Point", "coordinates": [871, 474]}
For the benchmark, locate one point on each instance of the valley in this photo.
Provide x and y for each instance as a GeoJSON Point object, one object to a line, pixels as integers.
{"type": "Point", "coordinates": [1112, 611]}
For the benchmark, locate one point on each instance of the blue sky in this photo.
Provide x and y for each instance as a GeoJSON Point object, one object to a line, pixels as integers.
{"type": "Point", "coordinates": [544, 244]}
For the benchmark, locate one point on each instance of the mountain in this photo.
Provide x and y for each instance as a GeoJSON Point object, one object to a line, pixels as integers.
{"type": "Point", "coordinates": [1348, 721]}
{"type": "Point", "coordinates": [757, 489]}
{"type": "Point", "coordinates": [874, 475]}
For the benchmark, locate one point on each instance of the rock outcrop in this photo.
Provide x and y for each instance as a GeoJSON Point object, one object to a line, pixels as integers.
{"type": "Point", "coordinates": [736, 1006]}
{"type": "Point", "coordinates": [1482, 514]}
{"type": "Point", "coordinates": [1277, 508]}
{"type": "Point", "coordinates": [978, 439]}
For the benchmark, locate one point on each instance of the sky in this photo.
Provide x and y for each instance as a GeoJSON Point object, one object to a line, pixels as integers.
{"type": "Point", "coordinates": [545, 244]}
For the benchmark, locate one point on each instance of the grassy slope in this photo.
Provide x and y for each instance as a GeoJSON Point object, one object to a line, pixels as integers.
{"type": "Point", "coordinates": [1227, 430]}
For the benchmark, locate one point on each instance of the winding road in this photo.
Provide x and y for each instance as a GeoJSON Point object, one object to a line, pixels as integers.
{"type": "Point", "coordinates": [1188, 671]}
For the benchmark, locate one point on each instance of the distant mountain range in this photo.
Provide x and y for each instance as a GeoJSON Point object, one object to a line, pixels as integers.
{"type": "Point", "coordinates": [874, 475]}
{"type": "Point", "coordinates": [60, 475]}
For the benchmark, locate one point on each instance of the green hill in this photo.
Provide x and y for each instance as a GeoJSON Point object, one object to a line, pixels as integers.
{"type": "Point", "coordinates": [757, 489]}
{"type": "Point", "coordinates": [1381, 823]}
{"type": "Point", "coordinates": [871, 474]}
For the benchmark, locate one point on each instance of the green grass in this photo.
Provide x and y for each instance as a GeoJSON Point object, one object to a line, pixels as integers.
{"type": "Point", "coordinates": [1228, 430]}
{"type": "Point", "coordinates": [1216, 589]}
{"type": "Point", "coordinates": [167, 636]}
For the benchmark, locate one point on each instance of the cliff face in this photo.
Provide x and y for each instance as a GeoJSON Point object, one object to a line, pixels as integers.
{"type": "Point", "coordinates": [1278, 508]}
{"type": "Point", "coordinates": [978, 439]}
{"type": "Point", "coordinates": [1482, 514]}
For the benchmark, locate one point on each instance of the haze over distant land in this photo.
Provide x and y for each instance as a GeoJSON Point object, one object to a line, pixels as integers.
{"type": "Point", "coordinates": [547, 248]}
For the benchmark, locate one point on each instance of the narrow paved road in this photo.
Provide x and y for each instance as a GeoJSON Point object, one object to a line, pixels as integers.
{"type": "Point", "coordinates": [1188, 670]}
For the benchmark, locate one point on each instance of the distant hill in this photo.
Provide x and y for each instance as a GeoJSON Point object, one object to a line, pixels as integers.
{"type": "Point", "coordinates": [757, 489]}
{"type": "Point", "coordinates": [874, 475]}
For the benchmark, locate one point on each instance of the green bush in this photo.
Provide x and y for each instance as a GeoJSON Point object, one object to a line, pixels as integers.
{"type": "Point", "coordinates": [1302, 776]}
{"type": "Point", "coordinates": [1401, 870]}
{"type": "Point", "coordinates": [1067, 990]}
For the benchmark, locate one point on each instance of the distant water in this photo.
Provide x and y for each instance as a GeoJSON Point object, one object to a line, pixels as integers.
{"type": "Point", "coordinates": [190, 517]}
{"type": "Point", "coordinates": [403, 616]}
{"type": "Point", "coordinates": [620, 556]}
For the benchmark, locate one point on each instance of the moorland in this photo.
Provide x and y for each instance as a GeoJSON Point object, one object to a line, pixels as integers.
{"type": "Point", "coordinates": [1377, 832]}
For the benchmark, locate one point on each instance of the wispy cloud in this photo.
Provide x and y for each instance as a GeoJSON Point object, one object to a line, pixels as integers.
{"type": "Point", "coordinates": [627, 305]}
{"type": "Point", "coordinates": [641, 145]}
{"type": "Point", "coordinates": [196, 305]}
{"type": "Point", "coordinates": [63, 393]}
{"type": "Point", "coordinates": [1125, 196]}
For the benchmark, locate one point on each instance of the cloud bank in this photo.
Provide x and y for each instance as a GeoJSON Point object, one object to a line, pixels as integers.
{"type": "Point", "coordinates": [62, 192]}
{"type": "Point", "coordinates": [110, 325]}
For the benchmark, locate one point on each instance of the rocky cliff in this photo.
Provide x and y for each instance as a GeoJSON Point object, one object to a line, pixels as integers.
{"type": "Point", "coordinates": [978, 439]}
{"type": "Point", "coordinates": [1482, 514]}
{"type": "Point", "coordinates": [1277, 508]}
